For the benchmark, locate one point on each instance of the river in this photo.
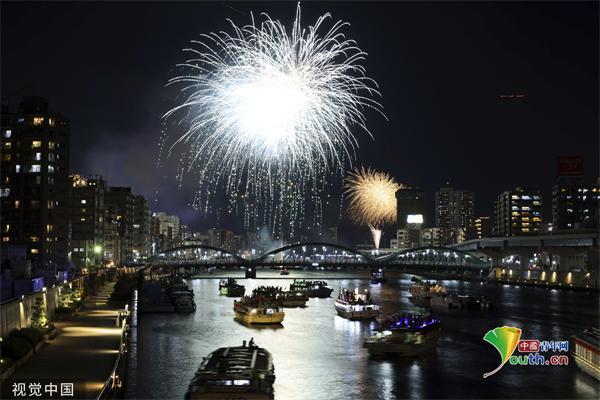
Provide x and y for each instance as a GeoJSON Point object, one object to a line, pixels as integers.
{"type": "Point", "coordinates": [319, 355]}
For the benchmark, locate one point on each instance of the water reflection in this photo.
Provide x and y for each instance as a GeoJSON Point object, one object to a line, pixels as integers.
{"type": "Point", "coordinates": [319, 355]}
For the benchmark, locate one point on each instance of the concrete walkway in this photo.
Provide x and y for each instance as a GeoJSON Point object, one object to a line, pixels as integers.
{"type": "Point", "coordinates": [83, 352]}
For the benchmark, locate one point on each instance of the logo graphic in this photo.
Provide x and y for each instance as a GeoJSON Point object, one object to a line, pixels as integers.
{"type": "Point", "coordinates": [505, 339]}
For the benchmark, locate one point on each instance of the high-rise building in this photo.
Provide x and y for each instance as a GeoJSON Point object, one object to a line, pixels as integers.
{"type": "Point", "coordinates": [410, 203]}
{"type": "Point", "coordinates": [166, 231]}
{"type": "Point", "coordinates": [120, 205]}
{"type": "Point", "coordinates": [575, 205]}
{"type": "Point", "coordinates": [35, 183]}
{"type": "Point", "coordinates": [518, 212]}
{"type": "Point", "coordinates": [454, 214]}
{"type": "Point", "coordinates": [141, 229]}
{"type": "Point", "coordinates": [87, 221]}
{"type": "Point", "coordinates": [483, 227]}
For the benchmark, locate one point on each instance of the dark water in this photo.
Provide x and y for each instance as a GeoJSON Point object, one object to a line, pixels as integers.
{"type": "Point", "coordinates": [318, 355]}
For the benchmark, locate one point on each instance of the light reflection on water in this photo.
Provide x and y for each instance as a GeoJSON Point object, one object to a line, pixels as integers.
{"type": "Point", "coordinates": [319, 355]}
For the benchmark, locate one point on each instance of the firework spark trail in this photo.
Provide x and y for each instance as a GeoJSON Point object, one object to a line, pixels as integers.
{"type": "Point", "coordinates": [372, 199]}
{"type": "Point", "coordinates": [270, 113]}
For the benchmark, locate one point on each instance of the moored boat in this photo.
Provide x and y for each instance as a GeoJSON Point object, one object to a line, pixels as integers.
{"type": "Point", "coordinates": [355, 305]}
{"type": "Point", "coordinates": [230, 288]}
{"type": "Point", "coordinates": [241, 372]}
{"type": "Point", "coordinates": [257, 309]}
{"type": "Point", "coordinates": [284, 271]}
{"type": "Point", "coordinates": [377, 276]}
{"type": "Point", "coordinates": [404, 335]}
{"type": "Point", "coordinates": [586, 351]}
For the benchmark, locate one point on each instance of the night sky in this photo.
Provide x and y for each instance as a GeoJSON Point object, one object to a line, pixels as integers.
{"type": "Point", "coordinates": [441, 67]}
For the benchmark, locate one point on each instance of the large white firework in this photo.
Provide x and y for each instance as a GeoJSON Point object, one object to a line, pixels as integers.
{"type": "Point", "coordinates": [270, 113]}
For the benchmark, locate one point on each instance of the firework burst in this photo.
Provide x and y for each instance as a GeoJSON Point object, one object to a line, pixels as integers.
{"type": "Point", "coordinates": [269, 114]}
{"type": "Point", "coordinates": [372, 199]}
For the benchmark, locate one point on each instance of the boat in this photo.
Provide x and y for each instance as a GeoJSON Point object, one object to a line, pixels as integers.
{"type": "Point", "coordinates": [425, 290]}
{"type": "Point", "coordinates": [311, 288]}
{"type": "Point", "coordinates": [473, 302]}
{"type": "Point", "coordinates": [284, 272]}
{"type": "Point", "coordinates": [377, 276]}
{"type": "Point", "coordinates": [355, 305]}
{"type": "Point", "coordinates": [282, 297]}
{"type": "Point", "coordinates": [240, 372]}
{"type": "Point", "coordinates": [586, 351]}
{"type": "Point", "coordinates": [404, 335]}
{"type": "Point", "coordinates": [257, 309]}
{"type": "Point", "coordinates": [230, 288]}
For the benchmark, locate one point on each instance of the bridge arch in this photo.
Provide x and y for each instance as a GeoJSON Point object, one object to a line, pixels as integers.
{"type": "Point", "coordinates": [201, 247]}
{"type": "Point", "coordinates": [433, 253]}
{"type": "Point", "coordinates": [311, 244]}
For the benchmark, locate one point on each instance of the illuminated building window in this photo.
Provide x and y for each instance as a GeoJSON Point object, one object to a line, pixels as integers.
{"type": "Point", "coordinates": [5, 239]}
{"type": "Point", "coordinates": [4, 192]}
{"type": "Point", "coordinates": [7, 133]}
{"type": "Point", "coordinates": [34, 239]}
{"type": "Point", "coordinates": [38, 120]}
{"type": "Point", "coordinates": [526, 197]}
{"type": "Point", "coordinates": [50, 180]}
{"type": "Point", "coordinates": [38, 156]}
{"type": "Point", "coordinates": [526, 208]}
{"type": "Point", "coordinates": [17, 204]}
{"type": "Point", "coordinates": [83, 201]}
{"type": "Point", "coordinates": [50, 156]}
{"type": "Point", "coordinates": [525, 229]}
{"type": "Point", "coordinates": [36, 144]}
{"type": "Point", "coordinates": [525, 218]}
{"type": "Point", "coordinates": [51, 121]}
{"type": "Point", "coordinates": [35, 251]}
{"type": "Point", "coordinates": [35, 168]}
{"type": "Point", "coordinates": [6, 228]}
{"type": "Point", "coordinates": [17, 168]}
{"type": "Point", "coordinates": [7, 145]}
{"type": "Point", "coordinates": [50, 169]}
{"type": "Point", "coordinates": [38, 180]}
{"type": "Point", "coordinates": [82, 219]}
{"type": "Point", "coordinates": [49, 228]}
{"type": "Point", "coordinates": [51, 145]}
{"type": "Point", "coordinates": [50, 204]}
{"type": "Point", "coordinates": [515, 197]}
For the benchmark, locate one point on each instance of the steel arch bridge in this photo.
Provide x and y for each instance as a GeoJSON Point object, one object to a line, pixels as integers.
{"type": "Point", "coordinates": [320, 254]}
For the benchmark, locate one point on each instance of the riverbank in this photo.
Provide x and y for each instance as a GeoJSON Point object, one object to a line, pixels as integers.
{"type": "Point", "coordinates": [82, 354]}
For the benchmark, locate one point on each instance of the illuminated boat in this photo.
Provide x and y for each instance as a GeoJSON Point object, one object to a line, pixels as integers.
{"type": "Point", "coordinates": [377, 276]}
{"type": "Point", "coordinates": [257, 310]}
{"type": "Point", "coordinates": [242, 372]}
{"type": "Point", "coordinates": [355, 305]}
{"type": "Point", "coordinates": [404, 335]}
{"type": "Point", "coordinates": [586, 351]}
{"type": "Point", "coordinates": [426, 290]}
{"type": "Point", "coordinates": [311, 288]}
{"type": "Point", "coordinates": [284, 272]}
{"type": "Point", "coordinates": [230, 288]}
{"type": "Point", "coordinates": [280, 297]}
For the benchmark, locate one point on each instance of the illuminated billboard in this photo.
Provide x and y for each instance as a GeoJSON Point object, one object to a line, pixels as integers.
{"type": "Point", "coordinates": [414, 219]}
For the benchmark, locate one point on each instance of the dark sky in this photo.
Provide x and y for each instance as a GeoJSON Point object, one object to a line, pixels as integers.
{"type": "Point", "coordinates": [441, 68]}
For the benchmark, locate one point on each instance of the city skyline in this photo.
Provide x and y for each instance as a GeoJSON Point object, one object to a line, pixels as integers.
{"type": "Point", "coordinates": [462, 118]}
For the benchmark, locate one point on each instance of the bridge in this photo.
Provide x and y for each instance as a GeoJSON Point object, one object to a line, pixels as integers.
{"type": "Point", "coordinates": [320, 254]}
{"type": "Point", "coordinates": [568, 251]}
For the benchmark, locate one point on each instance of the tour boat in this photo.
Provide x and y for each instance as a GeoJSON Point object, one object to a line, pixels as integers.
{"type": "Point", "coordinates": [241, 372]}
{"type": "Point", "coordinates": [311, 288]}
{"type": "Point", "coordinates": [230, 288]}
{"type": "Point", "coordinates": [257, 310]}
{"type": "Point", "coordinates": [355, 305]}
{"type": "Point", "coordinates": [282, 298]}
{"type": "Point", "coordinates": [586, 351]}
{"type": "Point", "coordinates": [377, 276]}
{"type": "Point", "coordinates": [284, 272]}
{"type": "Point", "coordinates": [404, 335]}
{"type": "Point", "coordinates": [425, 290]}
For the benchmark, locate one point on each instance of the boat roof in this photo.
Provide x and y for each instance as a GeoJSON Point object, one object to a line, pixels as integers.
{"type": "Point", "coordinates": [591, 336]}
{"type": "Point", "coordinates": [240, 362]}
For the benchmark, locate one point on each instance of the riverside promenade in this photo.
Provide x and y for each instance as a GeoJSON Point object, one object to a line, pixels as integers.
{"type": "Point", "coordinates": [83, 353]}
